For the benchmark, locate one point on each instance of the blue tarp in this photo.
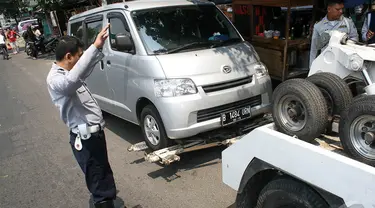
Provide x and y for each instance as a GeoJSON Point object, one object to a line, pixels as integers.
{"type": "Point", "coordinates": [353, 3]}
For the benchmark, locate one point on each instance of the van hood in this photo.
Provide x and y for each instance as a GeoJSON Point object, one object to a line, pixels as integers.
{"type": "Point", "coordinates": [207, 66]}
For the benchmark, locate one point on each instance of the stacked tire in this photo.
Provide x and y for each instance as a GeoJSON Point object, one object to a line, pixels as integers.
{"type": "Point", "coordinates": [305, 107]}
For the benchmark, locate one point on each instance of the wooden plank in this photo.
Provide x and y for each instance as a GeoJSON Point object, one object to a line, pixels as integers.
{"type": "Point", "coordinates": [272, 59]}
{"type": "Point", "coordinates": [268, 42]}
{"type": "Point", "coordinates": [285, 64]}
{"type": "Point", "coordinates": [295, 3]}
{"type": "Point", "coordinates": [251, 20]}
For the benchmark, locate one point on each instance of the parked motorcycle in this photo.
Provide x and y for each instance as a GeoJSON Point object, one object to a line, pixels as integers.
{"type": "Point", "coordinates": [41, 45]}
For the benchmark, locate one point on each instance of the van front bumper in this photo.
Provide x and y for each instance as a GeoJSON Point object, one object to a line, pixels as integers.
{"type": "Point", "coordinates": [189, 115]}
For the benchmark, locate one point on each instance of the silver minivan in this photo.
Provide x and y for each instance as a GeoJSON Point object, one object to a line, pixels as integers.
{"type": "Point", "coordinates": [177, 68]}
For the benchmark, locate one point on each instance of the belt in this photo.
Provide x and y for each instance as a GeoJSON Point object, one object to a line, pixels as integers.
{"type": "Point", "coordinates": [91, 129]}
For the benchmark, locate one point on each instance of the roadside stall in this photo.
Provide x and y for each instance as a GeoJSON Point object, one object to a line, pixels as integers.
{"type": "Point", "coordinates": [280, 31]}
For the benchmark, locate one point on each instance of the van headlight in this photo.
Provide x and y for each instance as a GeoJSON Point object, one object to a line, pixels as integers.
{"type": "Point", "coordinates": [174, 87]}
{"type": "Point", "coordinates": [261, 70]}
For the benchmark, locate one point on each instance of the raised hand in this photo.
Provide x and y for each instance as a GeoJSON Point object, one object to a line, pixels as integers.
{"type": "Point", "coordinates": [101, 37]}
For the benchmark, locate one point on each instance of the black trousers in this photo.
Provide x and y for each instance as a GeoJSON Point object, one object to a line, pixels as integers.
{"type": "Point", "coordinates": [93, 160]}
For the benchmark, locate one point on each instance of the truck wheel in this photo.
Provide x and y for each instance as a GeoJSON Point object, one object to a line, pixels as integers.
{"type": "Point", "coordinates": [357, 130]}
{"type": "Point", "coordinates": [299, 109]}
{"type": "Point", "coordinates": [285, 192]}
{"type": "Point", "coordinates": [153, 129]}
{"type": "Point", "coordinates": [335, 90]}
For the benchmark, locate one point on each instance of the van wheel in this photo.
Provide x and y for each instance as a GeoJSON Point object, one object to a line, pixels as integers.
{"type": "Point", "coordinates": [299, 109]}
{"type": "Point", "coordinates": [335, 90]}
{"type": "Point", "coordinates": [285, 192]}
{"type": "Point", "coordinates": [153, 129]}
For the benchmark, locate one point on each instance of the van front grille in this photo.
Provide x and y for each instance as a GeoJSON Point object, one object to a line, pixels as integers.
{"type": "Point", "coordinates": [227, 85]}
{"type": "Point", "coordinates": [215, 112]}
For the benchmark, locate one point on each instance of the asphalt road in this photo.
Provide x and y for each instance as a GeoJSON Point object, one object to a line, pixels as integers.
{"type": "Point", "coordinates": [37, 168]}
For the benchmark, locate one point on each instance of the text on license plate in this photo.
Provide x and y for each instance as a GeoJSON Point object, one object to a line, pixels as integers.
{"type": "Point", "coordinates": [235, 115]}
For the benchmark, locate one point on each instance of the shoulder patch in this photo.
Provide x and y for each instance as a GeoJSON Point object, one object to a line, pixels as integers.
{"type": "Point", "coordinates": [61, 71]}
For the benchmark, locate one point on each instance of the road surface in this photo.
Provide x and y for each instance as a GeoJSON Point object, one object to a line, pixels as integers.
{"type": "Point", "coordinates": [37, 168]}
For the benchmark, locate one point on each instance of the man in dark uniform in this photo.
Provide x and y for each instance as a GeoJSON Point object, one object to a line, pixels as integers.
{"type": "Point", "coordinates": [81, 113]}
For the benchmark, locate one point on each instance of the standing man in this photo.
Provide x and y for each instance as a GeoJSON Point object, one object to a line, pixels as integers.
{"type": "Point", "coordinates": [368, 28]}
{"type": "Point", "coordinates": [12, 37]}
{"type": "Point", "coordinates": [334, 20]}
{"type": "Point", "coordinates": [81, 113]}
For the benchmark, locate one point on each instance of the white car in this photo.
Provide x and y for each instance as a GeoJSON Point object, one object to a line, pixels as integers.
{"type": "Point", "coordinates": [21, 25]}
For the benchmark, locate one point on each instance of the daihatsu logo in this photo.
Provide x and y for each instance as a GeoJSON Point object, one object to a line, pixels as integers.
{"type": "Point", "coordinates": [227, 69]}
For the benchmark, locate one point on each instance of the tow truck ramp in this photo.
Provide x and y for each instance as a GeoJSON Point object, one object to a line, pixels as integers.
{"type": "Point", "coordinates": [226, 136]}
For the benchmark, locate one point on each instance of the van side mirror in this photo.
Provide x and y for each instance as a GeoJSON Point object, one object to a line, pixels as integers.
{"type": "Point", "coordinates": [123, 42]}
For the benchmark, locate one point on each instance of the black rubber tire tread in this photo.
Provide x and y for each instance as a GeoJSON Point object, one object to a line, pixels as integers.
{"type": "Point", "coordinates": [289, 190]}
{"type": "Point", "coordinates": [164, 140]}
{"type": "Point", "coordinates": [362, 106]}
{"type": "Point", "coordinates": [357, 99]}
{"type": "Point", "coordinates": [314, 102]}
{"type": "Point", "coordinates": [336, 87]}
{"type": "Point", "coordinates": [362, 98]}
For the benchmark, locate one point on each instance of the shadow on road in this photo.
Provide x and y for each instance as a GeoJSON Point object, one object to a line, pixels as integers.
{"type": "Point", "coordinates": [189, 161]}
{"type": "Point", "coordinates": [127, 131]}
{"type": "Point", "coordinates": [46, 56]}
{"type": "Point", "coordinates": [119, 203]}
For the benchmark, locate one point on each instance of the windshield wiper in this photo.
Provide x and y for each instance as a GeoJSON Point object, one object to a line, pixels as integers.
{"type": "Point", "coordinates": [161, 51]}
{"type": "Point", "coordinates": [225, 42]}
{"type": "Point", "coordinates": [189, 45]}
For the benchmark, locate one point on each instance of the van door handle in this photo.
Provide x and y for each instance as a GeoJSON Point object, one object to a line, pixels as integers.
{"type": "Point", "coordinates": [108, 63]}
{"type": "Point", "coordinates": [101, 63]}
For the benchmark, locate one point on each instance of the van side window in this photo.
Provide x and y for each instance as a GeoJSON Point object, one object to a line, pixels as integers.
{"type": "Point", "coordinates": [118, 26]}
{"type": "Point", "coordinates": [93, 28]}
{"type": "Point", "coordinates": [76, 30]}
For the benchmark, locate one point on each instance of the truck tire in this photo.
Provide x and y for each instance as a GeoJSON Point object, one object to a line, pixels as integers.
{"type": "Point", "coordinates": [153, 129]}
{"type": "Point", "coordinates": [299, 109]}
{"type": "Point", "coordinates": [285, 192]}
{"type": "Point", "coordinates": [335, 90]}
{"type": "Point", "coordinates": [357, 130]}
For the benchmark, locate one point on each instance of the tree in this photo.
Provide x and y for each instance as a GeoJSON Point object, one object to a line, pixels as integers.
{"type": "Point", "coordinates": [12, 8]}
{"type": "Point", "coordinates": [50, 5]}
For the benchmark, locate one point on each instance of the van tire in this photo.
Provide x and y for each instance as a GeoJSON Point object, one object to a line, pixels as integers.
{"type": "Point", "coordinates": [299, 109]}
{"type": "Point", "coordinates": [151, 114]}
{"type": "Point", "coordinates": [335, 90]}
{"type": "Point", "coordinates": [286, 191]}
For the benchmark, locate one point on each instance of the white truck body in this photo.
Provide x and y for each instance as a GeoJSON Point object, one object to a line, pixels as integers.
{"type": "Point", "coordinates": [328, 170]}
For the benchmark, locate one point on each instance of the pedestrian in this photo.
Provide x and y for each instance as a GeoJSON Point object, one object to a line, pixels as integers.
{"type": "Point", "coordinates": [368, 27]}
{"type": "Point", "coordinates": [334, 20]}
{"type": "Point", "coordinates": [12, 37]}
{"type": "Point", "coordinates": [81, 113]}
{"type": "Point", "coordinates": [3, 46]}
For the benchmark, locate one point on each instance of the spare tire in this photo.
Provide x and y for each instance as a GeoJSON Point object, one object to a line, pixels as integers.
{"type": "Point", "coordinates": [335, 90]}
{"type": "Point", "coordinates": [357, 130]}
{"type": "Point", "coordinates": [299, 109]}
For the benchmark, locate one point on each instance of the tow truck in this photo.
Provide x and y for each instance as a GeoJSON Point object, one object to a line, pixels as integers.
{"type": "Point", "coordinates": [319, 151]}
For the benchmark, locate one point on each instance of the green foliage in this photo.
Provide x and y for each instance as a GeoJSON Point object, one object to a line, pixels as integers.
{"type": "Point", "coordinates": [50, 5]}
{"type": "Point", "coordinates": [12, 8]}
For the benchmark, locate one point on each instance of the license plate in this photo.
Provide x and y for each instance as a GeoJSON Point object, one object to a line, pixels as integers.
{"type": "Point", "coordinates": [235, 115]}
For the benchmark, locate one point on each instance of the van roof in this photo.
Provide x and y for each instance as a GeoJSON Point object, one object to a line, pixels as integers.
{"type": "Point", "coordinates": [140, 4]}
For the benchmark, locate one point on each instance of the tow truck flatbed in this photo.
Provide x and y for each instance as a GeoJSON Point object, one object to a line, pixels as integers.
{"type": "Point", "coordinates": [322, 166]}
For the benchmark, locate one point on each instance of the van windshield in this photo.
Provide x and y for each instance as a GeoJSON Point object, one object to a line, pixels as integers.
{"type": "Point", "coordinates": [181, 28]}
